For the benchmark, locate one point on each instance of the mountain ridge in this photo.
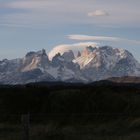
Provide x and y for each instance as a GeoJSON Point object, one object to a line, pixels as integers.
{"type": "Point", "coordinates": [91, 64]}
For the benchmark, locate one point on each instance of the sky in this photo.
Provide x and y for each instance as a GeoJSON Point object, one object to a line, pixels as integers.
{"type": "Point", "coordinates": [31, 25]}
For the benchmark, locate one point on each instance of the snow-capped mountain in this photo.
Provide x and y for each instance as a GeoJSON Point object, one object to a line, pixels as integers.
{"type": "Point", "coordinates": [91, 64]}
{"type": "Point", "coordinates": [102, 62]}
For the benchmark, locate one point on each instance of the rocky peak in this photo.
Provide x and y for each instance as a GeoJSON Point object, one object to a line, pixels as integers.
{"type": "Point", "coordinates": [57, 60]}
{"type": "Point", "coordinates": [30, 54]}
{"type": "Point", "coordinates": [105, 56]}
{"type": "Point", "coordinates": [34, 60]}
{"type": "Point", "coordinates": [58, 56]}
{"type": "Point", "coordinates": [42, 53]}
{"type": "Point", "coordinates": [87, 51]}
{"type": "Point", "coordinates": [38, 53]}
{"type": "Point", "coordinates": [78, 54]}
{"type": "Point", "coordinates": [68, 56]}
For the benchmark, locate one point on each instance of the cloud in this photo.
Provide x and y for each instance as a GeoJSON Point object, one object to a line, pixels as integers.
{"type": "Point", "coordinates": [102, 38]}
{"type": "Point", "coordinates": [42, 13]}
{"type": "Point", "coordinates": [66, 47]}
{"type": "Point", "coordinates": [48, 12]}
{"type": "Point", "coordinates": [23, 4]}
{"type": "Point", "coordinates": [98, 13]}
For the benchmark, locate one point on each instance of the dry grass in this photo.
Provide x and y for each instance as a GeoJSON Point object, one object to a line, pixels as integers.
{"type": "Point", "coordinates": [127, 129]}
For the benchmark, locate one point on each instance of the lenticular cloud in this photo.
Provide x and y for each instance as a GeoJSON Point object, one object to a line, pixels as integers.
{"type": "Point", "coordinates": [65, 47]}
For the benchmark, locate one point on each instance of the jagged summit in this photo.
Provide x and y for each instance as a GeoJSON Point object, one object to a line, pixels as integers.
{"type": "Point", "coordinates": [103, 55]}
{"type": "Point", "coordinates": [68, 56]}
{"type": "Point", "coordinates": [91, 64]}
{"type": "Point", "coordinates": [33, 60]}
{"type": "Point", "coordinates": [57, 60]}
{"type": "Point", "coordinates": [103, 62]}
{"type": "Point", "coordinates": [87, 51]}
{"type": "Point", "coordinates": [38, 53]}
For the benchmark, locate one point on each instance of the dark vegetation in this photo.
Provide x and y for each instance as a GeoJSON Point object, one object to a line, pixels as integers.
{"type": "Point", "coordinates": [101, 110]}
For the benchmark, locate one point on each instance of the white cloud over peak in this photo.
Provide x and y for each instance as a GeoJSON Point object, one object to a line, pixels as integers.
{"type": "Point", "coordinates": [66, 47]}
{"type": "Point", "coordinates": [98, 13]}
{"type": "Point", "coordinates": [102, 38]}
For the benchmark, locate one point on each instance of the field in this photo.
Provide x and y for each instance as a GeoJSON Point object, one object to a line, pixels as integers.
{"type": "Point", "coordinates": [45, 111]}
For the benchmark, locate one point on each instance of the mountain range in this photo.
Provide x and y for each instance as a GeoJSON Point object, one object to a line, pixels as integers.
{"type": "Point", "coordinates": [90, 64]}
